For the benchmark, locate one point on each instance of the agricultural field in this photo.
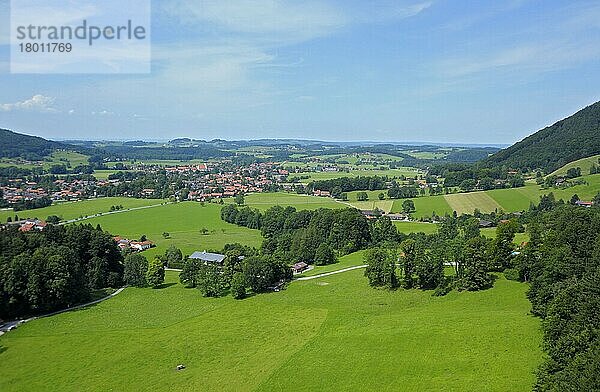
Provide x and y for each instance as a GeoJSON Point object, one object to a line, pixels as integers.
{"type": "Point", "coordinates": [75, 209]}
{"type": "Point", "coordinates": [425, 206]}
{"type": "Point", "coordinates": [508, 200]}
{"type": "Point", "coordinates": [351, 260]}
{"type": "Point", "coordinates": [316, 176]}
{"type": "Point", "coordinates": [103, 174]}
{"type": "Point", "coordinates": [466, 203]}
{"type": "Point", "coordinates": [341, 333]}
{"type": "Point", "coordinates": [190, 225]}
{"type": "Point", "coordinates": [416, 227]}
{"type": "Point", "coordinates": [263, 201]}
{"type": "Point", "coordinates": [520, 238]}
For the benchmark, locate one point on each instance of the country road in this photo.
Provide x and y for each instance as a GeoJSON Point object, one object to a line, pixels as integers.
{"type": "Point", "coordinates": [332, 272]}
{"type": "Point", "coordinates": [113, 212]}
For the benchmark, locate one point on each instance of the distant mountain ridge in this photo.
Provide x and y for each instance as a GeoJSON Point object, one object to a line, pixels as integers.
{"type": "Point", "coordinates": [570, 139]}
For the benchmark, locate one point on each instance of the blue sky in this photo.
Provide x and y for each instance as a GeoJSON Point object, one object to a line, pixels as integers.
{"type": "Point", "coordinates": [405, 70]}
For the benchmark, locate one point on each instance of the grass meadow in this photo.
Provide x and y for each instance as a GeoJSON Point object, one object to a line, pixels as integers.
{"type": "Point", "coordinates": [508, 200]}
{"type": "Point", "coordinates": [184, 222]}
{"type": "Point", "coordinates": [584, 164]}
{"type": "Point", "coordinates": [263, 201]}
{"type": "Point", "coordinates": [75, 209]}
{"type": "Point", "coordinates": [328, 334]}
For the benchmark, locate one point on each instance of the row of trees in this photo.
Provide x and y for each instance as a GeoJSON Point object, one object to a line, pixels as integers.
{"type": "Point", "coordinates": [349, 184]}
{"type": "Point", "coordinates": [311, 236]}
{"type": "Point", "coordinates": [56, 268]}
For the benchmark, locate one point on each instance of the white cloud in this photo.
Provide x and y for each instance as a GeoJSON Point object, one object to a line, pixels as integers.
{"type": "Point", "coordinates": [38, 103]}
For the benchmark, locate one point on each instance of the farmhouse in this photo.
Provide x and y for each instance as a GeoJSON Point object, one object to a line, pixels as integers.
{"type": "Point", "coordinates": [124, 243]}
{"type": "Point", "coordinates": [140, 245]}
{"type": "Point", "coordinates": [207, 257]}
{"type": "Point", "coordinates": [397, 217]}
{"type": "Point", "coordinates": [485, 223]}
{"type": "Point", "coordinates": [299, 267]}
{"type": "Point", "coordinates": [372, 214]}
{"type": "Point", "coordinates": [31, 225]}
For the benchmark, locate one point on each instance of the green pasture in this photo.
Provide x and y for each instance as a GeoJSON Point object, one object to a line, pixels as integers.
{"type": "Point", "coordinates": [328, 334]}
{"type": "Point", "coordinates": [184, 222]}
{"type": "Point", "coordinates": [416, 227]}
{"type": "Point", "coordinates": [75, 209]}
{"type": "Point", "coordinates": [263, 201]}
{"type": "Point", "coordinates": [426, 205]}
{"type": "Point", "coordinates": [584, 164]}
{"type": "Point", "coordinates": [466, 203]}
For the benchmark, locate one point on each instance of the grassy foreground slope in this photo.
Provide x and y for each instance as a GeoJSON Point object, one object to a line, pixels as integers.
{"type": "Point", "coordinates": [328, 334]}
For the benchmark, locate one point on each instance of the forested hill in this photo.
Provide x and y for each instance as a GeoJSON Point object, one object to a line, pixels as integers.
{"type": "Point", "coordinates": [575, 137]}
{"type": "Point", "coordinates": [13, 145]}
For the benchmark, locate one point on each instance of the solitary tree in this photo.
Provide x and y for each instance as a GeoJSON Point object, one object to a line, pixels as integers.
{"type": "Point", "coordinates": [408, 206]}
{"type": "Point", "coordinates": [475, 276]}
{"type": "Point", "coordinates": [239, 199]}
{"type": "Point", "coordinates": [211, 281]}
{"type": "Point", "coordinates": [502, 246]}
{"type": "Point", "coordinates": [173, 256]}
{"type": "Point", "coordinates": [155, 275]}
{"type": "Point", "coordinates": [238, 286]}
{"type": "Point", "coordinates": [189, 273]}
{"type": "Point", "coordinates": [410, 251]}
{"type": "Point", "coordinates": [135, 270]}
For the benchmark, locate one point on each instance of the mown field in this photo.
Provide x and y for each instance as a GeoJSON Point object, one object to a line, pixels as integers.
{"type": "Point", "coordinates": [315, 176]}
{"type": "Point", "coordinates": [72, 210]}
{"type": "Point", "coordinates": [508, 200]}
{"type": "Point", "coordinates": [263, 201]}
{"type": "Point", "coordinates": [328, 334]}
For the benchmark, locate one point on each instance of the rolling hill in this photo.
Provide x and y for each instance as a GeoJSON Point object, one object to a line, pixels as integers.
{"type": "Point", "coordinates": [15, 145]}
{"type": "Point", "coordinates": [570, 139]}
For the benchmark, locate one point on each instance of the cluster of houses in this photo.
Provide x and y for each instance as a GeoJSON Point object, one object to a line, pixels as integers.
{"type": "Point", "coordinates": [137, 246]}
{"type": "Point", "coordinates": [27, 225]}
{"type": "Point", "coordinates": [19, 190]}
{"type": "Point", "coordinates": [254, 178]}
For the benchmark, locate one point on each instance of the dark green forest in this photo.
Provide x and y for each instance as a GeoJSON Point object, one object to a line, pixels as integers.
{"type": "Point", "coordinates": [572, 138]}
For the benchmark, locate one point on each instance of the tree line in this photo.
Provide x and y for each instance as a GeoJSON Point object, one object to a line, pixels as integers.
{"type": "Point", "coordinates": [55, 268]}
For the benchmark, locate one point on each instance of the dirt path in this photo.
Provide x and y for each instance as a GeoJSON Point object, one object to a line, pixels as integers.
{"type": "Point", "coordinates": [332, 272]}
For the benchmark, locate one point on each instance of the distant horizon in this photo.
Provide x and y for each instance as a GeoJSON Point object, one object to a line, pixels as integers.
{"type": "Point", "coordinates": [316, 141]}
{"type": "Point", "coordinates": [488, 72]}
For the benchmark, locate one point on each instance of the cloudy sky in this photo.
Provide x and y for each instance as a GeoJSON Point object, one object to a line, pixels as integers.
{"type": "Point", "coordinates": [392, 70]}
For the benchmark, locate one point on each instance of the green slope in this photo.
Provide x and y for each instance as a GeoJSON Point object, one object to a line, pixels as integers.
{"type": "Point", "coordinates": [572, 138]}
{"type": "Point", "coordinates": [328, 334]}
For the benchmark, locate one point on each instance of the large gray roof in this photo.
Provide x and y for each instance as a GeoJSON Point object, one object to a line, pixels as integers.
{"type": "Point", "coordinates": [207, 256]}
